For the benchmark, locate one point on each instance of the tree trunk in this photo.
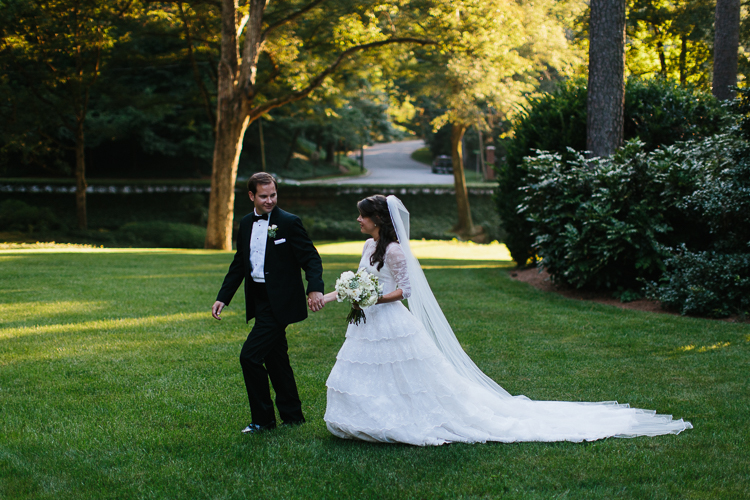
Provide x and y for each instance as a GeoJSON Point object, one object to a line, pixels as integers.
{"type": "Point", "coordinates": [465, 225]}
{"type": "Point", "coordinates": [227, 149]}
{"type": "Point", "coordinates": [662, 58]}
{"type": "Point", "coordinates": [480, 157]}
{"type": "Point", "coordinates": [232, 119]}
{"type": "Point", "coordinates": [683, 59]}
{"type": "Point", "coordinates": [331, 152]}
{"type": "Point", "coordinates": [81, 175]}
{"type": "Point", "coordinates": [606, 85]}
{"type": "Point", "coordinates": [726, 46]}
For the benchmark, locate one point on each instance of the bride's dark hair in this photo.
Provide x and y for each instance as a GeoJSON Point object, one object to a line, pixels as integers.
{"type": "Point", "coordinates": [376, 208]}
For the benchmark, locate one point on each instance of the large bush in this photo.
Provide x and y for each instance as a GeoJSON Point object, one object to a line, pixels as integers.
{"type": "Point", "coordinates": [552, 122]}
{"type": "Point", "coordinates": [713, 279]}
{"type": "Point", "coordinates": [15, 215]}
{"type": "Point", "coordinates": [658, 112]}
{"type": "Point", "coordinates": [608, 223]}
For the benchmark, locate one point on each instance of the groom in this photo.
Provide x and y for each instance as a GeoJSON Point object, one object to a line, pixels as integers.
{"type": "Point", "coordinates": [272, 247]}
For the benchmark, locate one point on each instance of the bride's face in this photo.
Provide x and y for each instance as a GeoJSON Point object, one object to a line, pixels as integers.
{"type": "Point", "coordinates": [367, 226]}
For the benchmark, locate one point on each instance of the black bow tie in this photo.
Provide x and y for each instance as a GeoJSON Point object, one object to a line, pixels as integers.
{"type": "Point", "coordinates": [256, 218]}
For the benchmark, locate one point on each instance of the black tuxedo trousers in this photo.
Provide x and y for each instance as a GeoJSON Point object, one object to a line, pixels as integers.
{"type": "Point", "coordinates": [278, 302]}
{"type": "Point", "coordinates": [265, 355]}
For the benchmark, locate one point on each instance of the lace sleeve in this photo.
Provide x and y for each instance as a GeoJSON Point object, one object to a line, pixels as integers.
{"type": "Point", "coordinates": [397, 264]}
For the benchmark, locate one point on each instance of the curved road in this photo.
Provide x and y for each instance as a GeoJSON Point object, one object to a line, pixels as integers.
{"type": "Point", "coordinates": [391, 163]}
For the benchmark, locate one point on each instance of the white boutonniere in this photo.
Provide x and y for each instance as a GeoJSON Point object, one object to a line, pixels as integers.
{"type": "Point", "coordinates": [272, 230]}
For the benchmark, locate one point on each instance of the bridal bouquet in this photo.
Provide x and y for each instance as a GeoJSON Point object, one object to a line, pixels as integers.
{"type": "Point", "coordinates": [360, 289]}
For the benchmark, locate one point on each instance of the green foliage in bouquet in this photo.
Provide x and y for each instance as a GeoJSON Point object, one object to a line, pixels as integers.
{"type": "Point", "coordinates": [361, 290]}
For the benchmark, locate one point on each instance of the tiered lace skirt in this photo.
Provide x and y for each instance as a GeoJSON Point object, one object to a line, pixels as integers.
{"type": "Point", "coordinates": [391, 384]}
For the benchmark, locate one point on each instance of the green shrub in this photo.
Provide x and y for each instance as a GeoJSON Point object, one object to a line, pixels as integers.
{"type": "Point", "coordinates": [422, 155]}
{"type": "Point", "coordinates": [705, 283]}
{"type": "Point", "coordinates": [661, 112]}
{"type": "Point", "coordinates": [163, 234]}
{"type": "Point", "coordinates": [596, 221]}
{"type": "Point", "coordinates": [552, 122]}
{"type": "Point", "coordinates": [15, 215]}
{"type": "Point", "coordinates": [658, 112]}
{"type": "Point", "coordinates": [605, 223]}
{"type": "Point", "coordinates": [721, 199]}
{"type": "Point", "coordinates": [714, 282]}
{"type": "Point", "coordinates": [741, 106]}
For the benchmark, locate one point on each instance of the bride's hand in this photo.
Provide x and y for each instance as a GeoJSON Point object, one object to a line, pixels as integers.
{"type": "Point", "coordinates": [329, 297]}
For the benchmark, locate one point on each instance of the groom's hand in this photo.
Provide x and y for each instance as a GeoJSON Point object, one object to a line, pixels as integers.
{"type": "Point", "coordinates": [315, 301]}
{"type": "Point", "coordinates": [216, 309]}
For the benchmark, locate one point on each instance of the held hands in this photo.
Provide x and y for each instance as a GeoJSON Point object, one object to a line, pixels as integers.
{"type": "Point", "coordinates": [315, 301]}
{"type": "Point", "coordinates": [216, 309]}
{"type": "Point", "coordinates": [325, 299]}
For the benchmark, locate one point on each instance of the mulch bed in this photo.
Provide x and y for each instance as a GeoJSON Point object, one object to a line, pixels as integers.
{"type": "Point", "coordinates": [542, 281]}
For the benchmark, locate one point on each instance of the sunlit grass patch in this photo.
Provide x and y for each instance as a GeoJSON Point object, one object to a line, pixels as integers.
{"type": "Point", "coordinates": [704, 348]}
{"type": "Point", "coordinates": [104, 325]}
{"type": "Point", "coordinates": [52, 247]}
{"type": "Point", "coordinates": [49, 245]}
{"type": "Point", "coordinates": [431, 249]}
{"type": "Point", "coordinates": [18, 311]}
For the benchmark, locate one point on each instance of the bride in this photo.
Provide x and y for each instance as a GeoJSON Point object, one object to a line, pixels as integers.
{"type": "Point", "coordinates": [402, 377]}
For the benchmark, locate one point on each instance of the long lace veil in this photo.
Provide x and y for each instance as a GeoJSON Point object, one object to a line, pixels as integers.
{"type": "Point", "coordinates": [425, 308]}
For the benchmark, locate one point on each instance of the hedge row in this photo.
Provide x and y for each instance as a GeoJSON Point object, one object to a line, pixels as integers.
{"type": "Point", "coordinates": [328, 212]}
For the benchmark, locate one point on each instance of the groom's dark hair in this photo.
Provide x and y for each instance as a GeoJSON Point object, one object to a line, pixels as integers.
{"type": "Point", "coordinates": [260, 178]}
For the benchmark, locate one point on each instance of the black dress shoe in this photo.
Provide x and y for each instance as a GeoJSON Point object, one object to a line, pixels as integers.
{"type": "Point", "coordinates": [255, 428]}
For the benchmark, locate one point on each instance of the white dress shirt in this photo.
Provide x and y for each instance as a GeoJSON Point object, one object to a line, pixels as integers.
{"type": "Point", "coordinates": [258, 249]}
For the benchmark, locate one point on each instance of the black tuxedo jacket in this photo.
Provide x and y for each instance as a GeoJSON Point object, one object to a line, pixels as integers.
{"type": "Point", "coordinates": [286, 253]}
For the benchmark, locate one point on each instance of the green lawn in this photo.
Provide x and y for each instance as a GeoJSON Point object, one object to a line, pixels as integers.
{"type": "Point", "coordinates": [116, 383]}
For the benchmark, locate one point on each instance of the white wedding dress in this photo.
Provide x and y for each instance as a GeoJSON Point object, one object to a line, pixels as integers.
{"type": "Point", "coordinates": [396, 381]}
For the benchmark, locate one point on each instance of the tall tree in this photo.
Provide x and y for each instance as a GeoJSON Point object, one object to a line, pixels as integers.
{"type": "Point", "coordinates": [726, 45]}
{"type": "Point", "coordinates": [492, 53]}
{"type": "Point", "coordinates": [263, 68]}
{"type": "Point", "coordinates": [606, 85]}
{"type": "Point", "coordinates": [56, 50]}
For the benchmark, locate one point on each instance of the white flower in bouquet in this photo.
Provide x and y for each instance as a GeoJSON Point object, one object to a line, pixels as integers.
{"type": "Point", "coordinates": [360, 289]}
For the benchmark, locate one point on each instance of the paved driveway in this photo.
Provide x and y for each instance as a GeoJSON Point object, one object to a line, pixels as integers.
{"type": "Point", "coordinates": [391, 163]}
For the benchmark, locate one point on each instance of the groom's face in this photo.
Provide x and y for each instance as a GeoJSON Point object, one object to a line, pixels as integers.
{"type": "Point", "coordinates": [264, 198]}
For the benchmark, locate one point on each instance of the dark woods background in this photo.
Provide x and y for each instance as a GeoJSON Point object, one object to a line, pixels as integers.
{"type": "Point", "coordinates": [145, 88]}
{"type": "Point", "coordinates": [143, 83]}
